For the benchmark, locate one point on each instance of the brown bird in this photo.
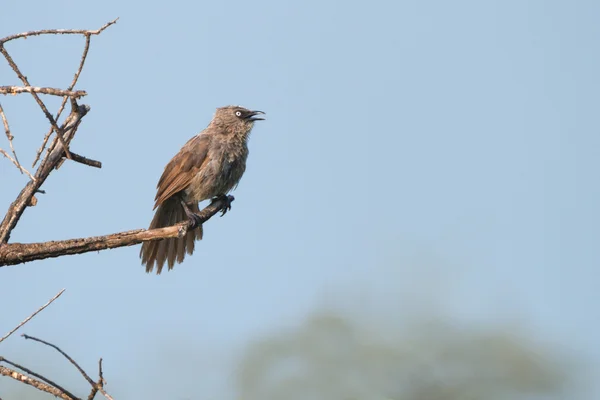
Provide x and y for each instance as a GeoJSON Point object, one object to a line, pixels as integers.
{"type": "Point", "coordinates": [208, 166]}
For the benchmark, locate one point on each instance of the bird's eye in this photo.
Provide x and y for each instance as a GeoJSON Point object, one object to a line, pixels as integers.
{"type": "Point", "coordinates": [238, 113]}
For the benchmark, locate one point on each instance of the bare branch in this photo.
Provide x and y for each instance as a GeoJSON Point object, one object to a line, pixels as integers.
{"type": "Point", "coordinates": [43, 378]}
{"type": "Point", "coordinates": [35, 383]}
{"type": "Point", "coordinates": [57, 151]}
{"type": "Point", "coordinates": [85, 161]}
{"type": "Point", "coordinates": [19, 253]}
{"type": "Point", "coordinates": [58, 32]}
{"type": "Point", "coordinates": [10, 142]}
{"type": "Point", "coordinates": [87, 34]}
{"type": "Point", "coordinates": [44, 90]}
{"type": "Point", "coordinates": [48, 381]}
{"type": "Point", "coordinates": [49, 116]}
{"type": "Point", "coordinates": [86, 48]}
{"type": "Point", "coordinates": [81, 371]}
{"type": "Point", "coordinates": [16, 209]}
{"type": "Point", "coordinates": [99, 384]}
{"type": "Point", "coordinates": [9, 135]}
{"type": "Point", "coordinates": [64, 101]}
{"type": "Point", "coordinates": [26, 320]}
{"type": "Point", "coordinates": [19, 166]}
{"type": "Point", "coordinates": [47, 136]}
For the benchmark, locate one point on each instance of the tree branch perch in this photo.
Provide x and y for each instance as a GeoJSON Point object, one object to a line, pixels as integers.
{"type": "Point", "coordinates": [19, 253]}
{"type": "Point", "coordinates": [55, 155]}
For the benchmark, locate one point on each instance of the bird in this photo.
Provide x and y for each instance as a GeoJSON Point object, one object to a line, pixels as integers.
{"type": "Point", "coordinates": [208, 166]}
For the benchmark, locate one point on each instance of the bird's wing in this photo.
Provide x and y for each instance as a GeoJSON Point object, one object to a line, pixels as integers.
{"type": "Point", "coordinates": [182, 168]}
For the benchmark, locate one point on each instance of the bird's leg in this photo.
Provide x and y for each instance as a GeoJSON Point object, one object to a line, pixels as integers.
{"type": "Point", "coordinates": [226, 199]}
{"type": "Point", "coordinates": [194, 219]}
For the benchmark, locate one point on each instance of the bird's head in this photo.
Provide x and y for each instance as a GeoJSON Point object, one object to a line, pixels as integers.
{"type": "Point", "coordinates": [237, 117]}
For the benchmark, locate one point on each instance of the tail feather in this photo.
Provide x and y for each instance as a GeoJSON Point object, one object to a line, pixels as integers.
{"type": "Point", "coordinates": [169, 250]}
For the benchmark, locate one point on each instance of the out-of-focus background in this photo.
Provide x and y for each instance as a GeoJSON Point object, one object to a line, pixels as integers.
{"type": "Point", "coordinates": [418, 220]}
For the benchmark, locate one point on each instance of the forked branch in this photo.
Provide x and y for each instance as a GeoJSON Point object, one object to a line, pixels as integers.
{"type": "Point", "coordinates": [57, 152]}
{"type": "Point", "coordinates": [64, 132]}
{"type": "Point", "coordinates": [85, 32]}
{"type": "Point", "coordinates": [40, 382]}
{"type": "Point", "coordinates": [98, 387]}
{"type": "Point", "coordinates": [16, 209]}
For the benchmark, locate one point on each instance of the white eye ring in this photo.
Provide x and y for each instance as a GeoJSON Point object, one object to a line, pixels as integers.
{"type": "Point", "coordinates": [238, 113]}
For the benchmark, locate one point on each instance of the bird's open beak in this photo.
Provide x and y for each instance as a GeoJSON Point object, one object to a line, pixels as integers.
{"type": "Point", "coordinates": [253, 116]}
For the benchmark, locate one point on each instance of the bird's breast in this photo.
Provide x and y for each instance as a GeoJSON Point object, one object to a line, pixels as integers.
{"type": "Point", "coordinates": [220, 173]}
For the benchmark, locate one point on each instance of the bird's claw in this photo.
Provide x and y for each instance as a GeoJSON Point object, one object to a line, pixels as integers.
{"type": "Point", "coordinates": [194, 221]}
{"type": "Point", "coordinates": [227, 200]}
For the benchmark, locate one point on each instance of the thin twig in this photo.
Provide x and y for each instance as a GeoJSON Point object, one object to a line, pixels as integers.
{"type": "Point", "coordinates": [44, 90]}
{"type": "Point", "coordinates": [46, 137]}
{"type": "Point", "coordinates": [35, 383]}
{"type": "Point", "coordinates": [43, 378]}
{"type": "Point", "coordinates": [58, 32]}
{"type": "Point", "coordinates": [86, 48]}
{"type": "Point", "coordinates": [49, 116]}
{"type": "Point", "coordinates": [9, 135]}
{"type": "Point", "coordinates": [71, 86]}
{"type": "Point", "coordinates": [55, 347]}
{"type": "Point", "coordinates": [10, 138]}
{"type": "Point", "coordinates": [19, 166]}
{"type": "Point", "coordinates": [64, 101]}
{"type": "Point", "coordinates": [81, 371]}
{"type": "Point", "coordinates": [32, 315]}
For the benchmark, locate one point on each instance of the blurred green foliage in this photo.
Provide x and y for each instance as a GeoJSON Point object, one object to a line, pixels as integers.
{"type": "Point", "coordinates": [333, 357]}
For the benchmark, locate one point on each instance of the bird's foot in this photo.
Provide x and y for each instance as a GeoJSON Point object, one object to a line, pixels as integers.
{"type": "Point", "coordinates": [227, 200]}
{"type": "Point", "coordinates": [194, 219]}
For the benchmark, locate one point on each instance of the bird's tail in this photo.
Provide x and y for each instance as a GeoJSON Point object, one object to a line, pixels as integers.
{"type": "Point", "coordinates": [157, 252]}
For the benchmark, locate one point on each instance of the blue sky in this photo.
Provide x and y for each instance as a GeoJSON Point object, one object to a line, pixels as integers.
{"type": "Point", "coordinates": [422, 152]}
